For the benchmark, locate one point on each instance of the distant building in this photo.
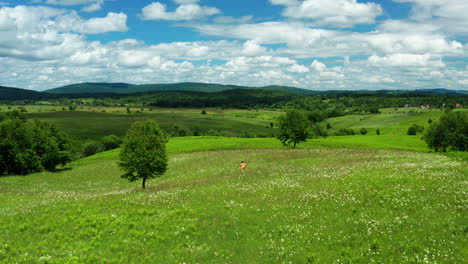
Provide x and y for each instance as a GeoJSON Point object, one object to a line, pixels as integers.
{"type": "Point", "coordinates": [408, 105]}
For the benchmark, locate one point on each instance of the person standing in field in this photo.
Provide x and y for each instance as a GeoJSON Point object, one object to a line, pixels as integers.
{"type": "Point", "coordinates": [242, 166]}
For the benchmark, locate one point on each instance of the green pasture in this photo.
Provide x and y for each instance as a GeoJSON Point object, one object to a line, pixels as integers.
{"type": "Point", "coordinates": [391, 122]}
{"type": "Point", "coordinates": [94, 125]}
{"type": "Point", "coordinates": [314, 204]}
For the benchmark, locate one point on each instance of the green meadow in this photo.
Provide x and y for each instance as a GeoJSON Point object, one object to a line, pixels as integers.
{"type": "Point", "coordinates": [390, 121]}
{"type": "Point", "coordinates": [321, 203]}
{"type": "Point", "coordinates": [85, 125]}
{"type": "Point", "coordinates": [341, 199]}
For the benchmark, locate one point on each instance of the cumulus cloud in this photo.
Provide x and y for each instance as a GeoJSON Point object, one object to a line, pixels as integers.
{"type": "Point", "coordinates": [297, 68]}
{"type": "Point", "coordinates": [318, 66]}
{"type": "Point", "coordinates": [406, 60]}
{"type": "Point", "coordinates": [408, 53]}
{"type": "Point", "coordinates": [303, 41]}
{"type": "Point", "coordinates": [113, 22]}
{"type": "Point", "coordinates": [448, 15]}
{"type": "Point", "coordinates": [91, 5]}
{"type": "Point", "coordinates": [232, 20]}
{"type": "Point", "coordinates": [188, 10]}
{"type": "Point", "coordinates": [43, 33]}
{"type": "Point", "coordinates": [337, 13]}
{"type": "Point", "coordinates": [252, 48]}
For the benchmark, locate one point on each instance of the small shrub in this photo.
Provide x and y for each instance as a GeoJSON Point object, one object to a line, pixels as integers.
{"type": "Point", "coordinates": [203, 112]}
{"type": "Point", "coordinates": [111, 142]}
{"type": "Point", "coordinates": [345, 132]}
{"type": "Point", "coordinates": [414, 129]}
{"type": "Point", "coordinates": [363, 131]}
{"type": "Point", "coordinates": [92, 148]}
{"type": "Point", "coordinates": [377, 132]}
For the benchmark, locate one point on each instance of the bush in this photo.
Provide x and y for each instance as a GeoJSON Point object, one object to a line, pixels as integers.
{"type": "Point", "coordinates": [345, 132]}
{"type": "Point", "coordinates": [111, 142]}
{"type": "Point", "coordinates": [92, 148]}
{"type": "Point", "coordinates": [363, 131]}
{"type": "Point", "coordinates": [203, 112]}
{"type": "Point", "coordinates": [377, 132]}
{"type": "Point", "coordinates": [414, 129]}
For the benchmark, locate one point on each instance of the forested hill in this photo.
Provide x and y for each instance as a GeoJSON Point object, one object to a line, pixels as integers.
{"type": "Point", "coordinates": [124, 88]}
{"type": "Point", "coordinates": [10, 93]}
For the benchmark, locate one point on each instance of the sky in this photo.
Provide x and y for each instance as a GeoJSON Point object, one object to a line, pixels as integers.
{"type": "Point", "coordinates": [311, 44]}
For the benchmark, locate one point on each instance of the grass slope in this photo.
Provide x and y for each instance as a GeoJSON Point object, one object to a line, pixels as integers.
{"type": "Point", "coordinates": [291, 206]}
{"type": "Point", "coordinates": [395, 122]}
{"type": "Point", "coordinates": [94, 125]}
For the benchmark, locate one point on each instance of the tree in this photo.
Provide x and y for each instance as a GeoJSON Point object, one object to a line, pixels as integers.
{"type": "Point", "coordinates": [293, 128]}
{"type": "Point", "coordinates": [451, 131]}
{"type": "Point", "coordinates": [363, 131]}
{"type": "Point", "coordinates": [27, 147]}
{"type": "Point", "coordinates": [143, 154]}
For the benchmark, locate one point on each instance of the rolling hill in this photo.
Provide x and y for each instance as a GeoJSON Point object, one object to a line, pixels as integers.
{"type": "Point", "coordinates": [10, 93]}
{"type": "Point", "coordinates": [124, 88]}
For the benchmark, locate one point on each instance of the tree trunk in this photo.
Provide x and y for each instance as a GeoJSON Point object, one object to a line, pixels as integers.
{"type": "Point", "coordinates": [294, 146]}
{"type": "Point", "coordinates": [143, 183]}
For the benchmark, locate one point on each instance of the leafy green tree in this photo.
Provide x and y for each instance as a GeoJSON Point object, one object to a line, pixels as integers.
{"type": "Point", "coordinates": [363, 131]}
{"type": "Point", "coordinates": [377, 132]}
{"type": "Point", "coordinates": [451, 131]}
{"type": "Point", "coordinates": [143, 154]}
{"type": "Point", "coordinates": [27, 147]}
{"type": "Point", "coordinates": [294, 127]}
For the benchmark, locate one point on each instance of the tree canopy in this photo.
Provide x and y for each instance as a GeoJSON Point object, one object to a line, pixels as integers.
{"type": "Point", "coordinates": [450, 132]}
{"type": "Point", "coordinates": [30, 146]}
{"type": "Point", "coordinates": [294, 127]}
{"type": "Point", "coordinates": [143, 154]}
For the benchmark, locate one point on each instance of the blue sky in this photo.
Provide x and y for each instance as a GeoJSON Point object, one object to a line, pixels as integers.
{"type": "Point", "coordinates": [312, 44]}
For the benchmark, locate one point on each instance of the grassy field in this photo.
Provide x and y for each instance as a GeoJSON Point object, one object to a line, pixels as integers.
{"type": "Point", "coordinates": [94, 125]}
{"type": "Point", "coordinates": [389, 122]}
{"type": "Point", "coordinates": [315, 204]}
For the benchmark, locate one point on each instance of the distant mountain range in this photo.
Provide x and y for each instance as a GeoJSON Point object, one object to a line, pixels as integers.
{"type": "Point", "coordinates": [99, 89]}
{"type": "Point", "coordinates": [124, 88]}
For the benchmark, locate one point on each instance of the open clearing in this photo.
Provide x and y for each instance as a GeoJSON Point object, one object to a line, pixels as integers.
{"type": "Point", "coordinates": [309, 205]}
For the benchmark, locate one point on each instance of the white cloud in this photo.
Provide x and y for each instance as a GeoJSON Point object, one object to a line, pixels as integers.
{"type": "Point", "coordinates": [189, 11]}
{"type": "Point", "coordinates": [448, 15]}
{"type": "Point", "coordinates": [232, 20]}
{"type": "Point", "coordinates": [297, 68]}
{"type": "Point", "coordinates": [39, 42]}
{"type": "Point", "coordinates": [252, 48]}
{"type": "Point", "coordinates": [406, 60]}
{"type": "Point", "coordinates": [94, 6]}
{"type": "Point", "coordinates": [337, 13]}
{"type": "Point", "coordinates": [113, 22]}
{"type": "Point", "coordinates": [318, 66]}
